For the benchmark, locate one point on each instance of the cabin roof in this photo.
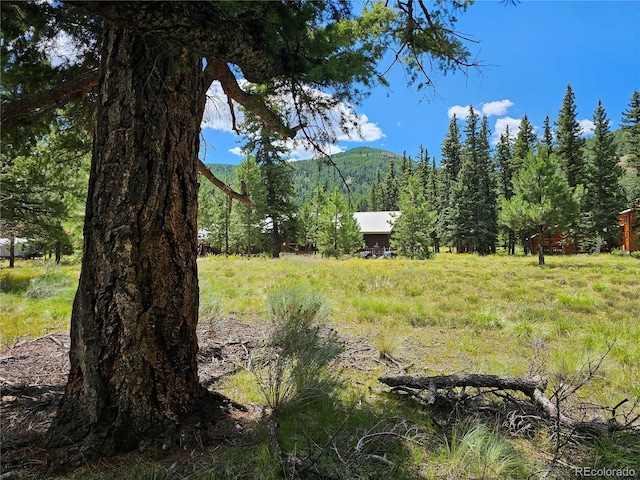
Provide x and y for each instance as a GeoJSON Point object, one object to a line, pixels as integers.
{"type": "Point", "coordinates": [376, 222]}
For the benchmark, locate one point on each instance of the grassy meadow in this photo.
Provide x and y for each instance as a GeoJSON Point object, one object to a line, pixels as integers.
{"type": "Point", "coordinates": [491, 314]}
{"type": "Point", "coordinates": [451, 314]}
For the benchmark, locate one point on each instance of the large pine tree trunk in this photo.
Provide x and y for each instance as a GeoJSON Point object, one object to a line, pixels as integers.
{"type": "Point", "coordinates": [133, 328]}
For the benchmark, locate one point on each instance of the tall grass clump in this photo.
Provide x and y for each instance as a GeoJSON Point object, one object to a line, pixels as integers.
{"type": "Point", "coordinates": [299, 349]}
{"type": "Point", "coordinates": [211, 305]}
{"type": "Point", "coordinates": [474, 451]}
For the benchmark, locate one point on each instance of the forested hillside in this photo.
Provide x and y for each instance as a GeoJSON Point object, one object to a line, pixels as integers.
{"type": "Point", "coordinates": [357, 166]}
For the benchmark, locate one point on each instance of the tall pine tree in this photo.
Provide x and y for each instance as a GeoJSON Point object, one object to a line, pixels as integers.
{"type": "Point", "coordinates": [503, 161]}
{"type": "Point", "coordinates": [569, 151]}
{"type": "Point", "coordinates": [547, 134]}
{"type": "Point", "coordinates": [390, 188]}
{"type": "Point", "coordinates": [525, 141]}
{"type": "Point", "coordinates": [569, 143]}
{"type": "Point", "coordinates": [631, 128]}
{"type": "Point", "coordinates": [248, 222]}
{"type": "Point", "coordinates": [277, 178]}
{"type": "Point", "coordinates": [475, 210]}
{"type": "Point", "coordinates": [605, 197]}
{"type": "Point", "coordinates": [451, 159]}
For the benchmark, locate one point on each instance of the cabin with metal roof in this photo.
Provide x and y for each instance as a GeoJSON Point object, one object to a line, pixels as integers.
{"type": "Point", "coordinates": [376, 228]}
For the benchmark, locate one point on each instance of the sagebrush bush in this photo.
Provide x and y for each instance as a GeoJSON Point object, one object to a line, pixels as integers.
{"type": "Point", "coordinates": [299, 349]}
{"type": "Point", "coordinates": [52, 282]}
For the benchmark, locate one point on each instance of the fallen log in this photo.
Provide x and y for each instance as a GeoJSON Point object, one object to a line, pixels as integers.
{"type": "Point", "coordinates": [532, 387]}
{"type": "Point", "coordinates": [526, 385]}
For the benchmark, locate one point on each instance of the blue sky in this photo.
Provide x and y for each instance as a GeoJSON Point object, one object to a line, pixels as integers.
{"type": "Point", "coordinates": [530, 53]}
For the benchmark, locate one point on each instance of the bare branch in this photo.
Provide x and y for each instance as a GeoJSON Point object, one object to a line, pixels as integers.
{"type": "Point", "coordinates": [232, 194]}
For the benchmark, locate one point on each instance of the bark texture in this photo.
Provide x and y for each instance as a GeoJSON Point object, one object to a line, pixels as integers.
{"type": "Point", "coordinates": [133, 328]}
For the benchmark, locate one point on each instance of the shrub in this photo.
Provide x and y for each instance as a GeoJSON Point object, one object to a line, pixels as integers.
{"type": "Point", "coordinates": [52, 282]}
{"type": "Point", "coordinates": [299, 349]}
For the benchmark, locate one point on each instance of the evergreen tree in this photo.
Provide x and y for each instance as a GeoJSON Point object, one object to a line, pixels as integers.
{"type": "Point", "coordinates": [451, 154]}
{"type": "Point", "coordinates": [44, 187]}
{"type": "Point", "coordinates": [431, 186]}
{"type": "Point", "coordinates": [569, 143]}
{"type": "Point", "coordinates": [350, 238]}
{"type": "Point", "coordinates": [569, 151]}
{"type": "Point", "coordinates": [434, 195]}
{"type": "Point", "coordinates": [475, 209]}
{"type": "Point", "coordinates": [248, 222]}
{"type": "Point", "coordinates": [605, 197]}
{"type": "Point", "coordinates": [362, 205]}
{"type": "Point", "coordinates": [631, 149]}
{"type": "Point", "coordinates": [547, 134]}
{"type": "Point", "coordinates": [450, 162]}
{"type": "Point", "coordinates": [309, 218]}
{"type": "Point", "coordinates": [277, 178]}
{"type": "Point", "coordinates": [488, 210]}
{"type": "Point", "coordinates": [525, 141]}
{"type": "Point", "coordinates": [631, 128]}
{"type": "Point", "coordinates": [390, 188]}
{"type": "Point", "coordinates": [376, 193]}
{"type": "Point", "coordinates": [503, 160]}
{"type": "Point", "coordinates": [406, 171]}
{"type": "Point", "coordinates": [214, 216]}
{"type": "Point", "coordinates": [423, 169]}
{"type": "Point", "coordinates": [542, 198]}
{"type": "Point", "coordinates": [338, 231]}
{"type": "Point", "coordinates": [413, 227]}
{"type": "Point", "coordinates": [428, 179]}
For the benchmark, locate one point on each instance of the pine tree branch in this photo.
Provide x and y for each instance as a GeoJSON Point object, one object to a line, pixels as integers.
{"type": "Point", "coordinates": [39, 104]}
{"type": "Point", "coordinates": [221, 72]}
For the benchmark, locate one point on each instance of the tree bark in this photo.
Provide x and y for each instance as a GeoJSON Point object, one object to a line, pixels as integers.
{"type": "Point", "coordinates": [540, 246]}
{"type": "Point", "coordinates": [133, 328]}
{"type": "Point", "coordinates": [12, 250]}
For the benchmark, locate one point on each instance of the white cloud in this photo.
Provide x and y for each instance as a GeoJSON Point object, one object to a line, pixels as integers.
{"type": "Point", "coordinates": [237, 151]}
{"type": "Point", "coordinates": [362, 129]}
{"type": "Point", "coordinates": [586, 126]}
{"type": "Point", "coordinates": [459, 111]}
{"type": "Point", "coordinates": [501, 127]}
{"type": "Point", "coordinates": [358, 127]}
{"type": "Point", "coordinates": [497, 108]}
{"type": "Point", "coordinates": [301, 151]}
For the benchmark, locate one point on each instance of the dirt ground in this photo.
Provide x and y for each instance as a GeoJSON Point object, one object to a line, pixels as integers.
{"type": "Point", "coordinates": [33, 376]}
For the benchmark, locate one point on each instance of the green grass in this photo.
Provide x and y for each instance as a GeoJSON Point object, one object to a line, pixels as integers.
{"type": "Point", "coordinates": [35, 299]}
{"type": "Point", "coordinates": [454, 313]}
